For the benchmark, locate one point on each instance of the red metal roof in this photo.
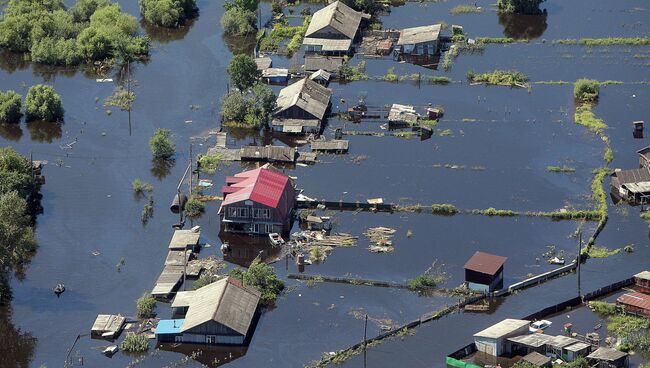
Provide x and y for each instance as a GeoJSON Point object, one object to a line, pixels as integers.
{"type": "Point", "coordinates": [638, 300]}
{"type": "Point", "coordinates": [485, 263]}
{"type": "Point", "coordinates": [263, 185]}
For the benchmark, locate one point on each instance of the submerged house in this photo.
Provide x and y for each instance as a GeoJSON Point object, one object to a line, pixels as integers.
{"type": "Point", "coordinates": [301, 107]}
{"type": "Point", "coordinates": [332, 30]}
{"type": "Point", "coordinates": [632, 186]}
{"type": "Point", "coordinates": [259, 201]}
{"type": "Point", "coordinates": [218, 313]}
{"type": "Point", "coordinates": [484, 272]}
{"type": "Point", "coordinates": [608, 358]}
{"type": "Point", "coordinates": [492, 340]}
{"type": "Point", "coordinates": [418, 41]}
{"type": "Point", "coordinates": [635, 303]}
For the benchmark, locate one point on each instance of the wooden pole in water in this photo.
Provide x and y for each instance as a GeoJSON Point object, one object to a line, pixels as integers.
{"type": "Point", "coordinates": [579, 258]}
{"type": "Point", "coordinates": [191, 170]}
{"type": "Point", "coordinates": [365, 331]}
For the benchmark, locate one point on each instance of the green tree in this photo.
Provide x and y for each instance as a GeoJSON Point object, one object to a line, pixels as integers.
{"type": "Point", "coordinates": [16, 234]}
{"type": "Point", "coordinates": [120, 98]}
{"type": "Point", "coordinates": [16, 173]}
{"type": "Point", "coordinates": [586, 90]}
{"type": "Point", "coordinates": [43, 103]}
{"type": "Point", "coordinates": [10, 106]}
{"type": "Point", "coordinates": [250, 5]}
{"type": "Point", "coordinates": [161, 144]}
{"type": "Point", "coordinates": [83, 9]}
{"type": "Point", "coordinates": [238, 22]}
{"type": "Point", "coordinates": [243, 72]}
{"type": "Point", "coordinates": [263, 278]}
{"type": "Point", "coordinates": [519, 6]}
{"type": "Point", "coordinates": [194, 208]}
{"type": "Point", "coordinates": [146, 306]}
{"type": "Point", "coordinates": [234, 107]}
{"type": "Point", "coordinates": [167, 13]}
{"type": "Point", "coordinates": [262, 102]}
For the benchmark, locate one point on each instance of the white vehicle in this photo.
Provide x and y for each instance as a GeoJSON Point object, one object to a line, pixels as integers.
{"type": "Point", "coordinates": [276, 239]}
{"type": "Point", "coordinates": [539, 325]}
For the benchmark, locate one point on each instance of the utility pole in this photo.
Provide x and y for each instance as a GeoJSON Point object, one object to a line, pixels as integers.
{"type": "Point", "coordinates": [579, 259]}
{"type": "Point", "coordinates": [365, 333]}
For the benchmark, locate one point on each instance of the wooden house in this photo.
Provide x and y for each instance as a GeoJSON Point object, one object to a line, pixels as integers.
{"type": "Point", "coordinates": [259, 201]}
{"type": "Point", "coordinates": [608, 358]}
{"type": "Point", "coordinates": [642, 281]}
{"type": "Point", "coordinates": [333, 29]}
{"type": "Point", "coordinates": [484, 272]}
{"type": "Point", "coordinates": [538, 360]}
{"type": "Point", "coordinates": [220, 313]}
{"type": "Point", "coordinates": [301, 107]}
{"type": "Point", "coordinates": [418, 41]}
{"type": "Point", "coordinates": [632, 186]}
{"type": "Point", "coordinates": [328, 63]}
{"type": "Point", "coordinates": [635, 303]}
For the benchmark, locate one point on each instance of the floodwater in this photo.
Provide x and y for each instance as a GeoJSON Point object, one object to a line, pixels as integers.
{"type": "Point", "coordinates": [501, 141]}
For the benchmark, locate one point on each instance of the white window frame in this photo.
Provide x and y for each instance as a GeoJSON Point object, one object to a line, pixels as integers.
{"type": "Point", "coordinates": [211, 339]}
{"type": "Point", "coordinates": [262, 213]}
{"type": "Point", "coordinates": [178, 338]}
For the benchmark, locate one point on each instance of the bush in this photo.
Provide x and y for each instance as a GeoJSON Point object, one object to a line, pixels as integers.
{"type": "Point", "coordinates": [42, 103]}
{"type": "Point", "coordinates": [146, 306]}
{"type": "Point", "coordinates": [204, 280]}
{"type": "Point", "coordinates": [134, 343]}
{"type": "Point", "coordinates": [444, 209]}
{"type": "Point", "coordinates": [209, 164]}
{"type": "Point", "coordinates": [586, 90]}
{"type": "Point", "coordinates": [121, 98]}
{"type": "Point", "coordinates": [140, 187]}
{"type": "Point", "coordinates": [234, 107]}
{"type": "Point", "coordinates": [519, 6]}
{"type": "Point", "coordinates": [423, 281]}
{"type": "Point", "coordinates": [494, 212]}
{"type": "Point", "coordinates": [194, 207]}
{"type": "Point", "coordinates": [243, 72]}
{"type": "Point", "coordinates": [602, 308]}
{"type": "Point", "coordinates": [83, 9]}
{"type": "Point", "coordinates": [17, 239]}
{"type": "Point", "coordinates": [498, 77]}
{"type": "Point", "coordinates": [16, 173]}
{"type": "Point", "coordinates": [250, 5]}
{"type": "Point", "coordinates": [10, 106]}
{"type": "Point", "coordinates": [161, 144]}
{"type": "Point", "coordinates": [262, 102]}
{"type": "Point", "coordinates": [167, 13]}
{"type": "Point", "coordinates": [263, 278]}
{"type": "Point", "coordinates": [238, 22]}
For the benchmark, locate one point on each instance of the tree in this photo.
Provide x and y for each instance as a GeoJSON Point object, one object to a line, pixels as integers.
{"type": "Point", "coordinates": [167, 13]}
{"type": "Point", "coordinates": [120, 98]}
{"type": "Point", "coordinates": [234, 107]}
{"type": "Point", "coordinates": [238, 22]}
{"type": "Point", "coordinates": [261, 104]}
{"type": "Point", "coordinates": [10, 106]}
{"type": "Point", "coordinates": [519, 6]}
{"type": "Point", "coordinates": [263, 278]}
{"type": "Point", "coordinates": [243, 72]}
{"type": "Point", "coordinates": [83, 9]}
{"type": "Point", "coordinates": [146, 306]}
{"type": "Point", "coordinates": [16, 234]}
{"type": "Point", "coordinates": [194, 208]}
{"type": "Point", "coordinates": [43, 103]}
{"type": "Point", "coordinates": [250, 5]}
{"type": "Point", "coordinates": [161, 144]}
{"type": "Point", "coordinates": [586, 90]}
{"type": "Point", "coordinates": [16, 174]}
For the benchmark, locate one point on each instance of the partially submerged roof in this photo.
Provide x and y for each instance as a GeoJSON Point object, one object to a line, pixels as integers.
{"type": "Point", "coordinates": [264, 185]}
{"type": "Point", "coordinates": [182, 299]}
{"type": "Point", "coordinates": [275, 72]}
{"type": "Point", "coordinates": [415, 35]}
{"type": "Point", "coordinates": [607, 354]}
{"type": "Point", "coordinates": [535, 340]}
{"type": "Point", "coordinates": [632, 176]}
{"type": "Point", "coordinates": [169, 326]}
{"type": "Point", "coordinates": [108, 323]}
{"type": "Point", "coordinates": [226, 301]}
{"type": "Point", "coordinates": [264, 62]}
{"type": "Point", "coordinates": [640, 187]}
{"type": "Point", "coordinates": [337, 15]}
{"type": "Point", "coordinates": [307, 95]}
{"type": "Point", "coordinates": [503, 328]}
{"type": "Point", "coordinates": [402, 113]}
{"type": "Point", "coordinates": [320, 74]}
{"type": "Point", "coordinates": [645, 275]}
{"type": "Point", "coordinates": [638, 300]}
{"type": "Point", "coordinates": [184, 238]}
{"type": "Point", "coordinates": [560, 342]}
{"type": "Point", "coordinates": [485, 263]}
{"type": "Point", "coordinates": [328, 44]}
{"type": "Point", "coordinates": [331, 64]}
{"type": "Point", "coordinates": [536, 359]}
{"type": "Point", "coordinates": [644, 151]}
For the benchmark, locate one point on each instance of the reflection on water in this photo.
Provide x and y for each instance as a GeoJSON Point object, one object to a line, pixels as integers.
{"type": "Point", "coordinates": [166, 35]}
{"type": "Point", "coordinates": [44, 131]}
{"type": "Point", "coordinates": [209, 355]}
{"type": "Point", "coordinates": [17, 347]}
{"type": "Point", "coordinates": [11, 61]}
{"type": "Point", "coordinates": [160, 168]}
{"type": "Point", "coordinates": [523, 26]}
{"type": "Point", "coordinates": [240, 45]}
{"type": "Point", "coordinates": [245, 248]}
{"type": "Point", "coordinates": [11, 132]}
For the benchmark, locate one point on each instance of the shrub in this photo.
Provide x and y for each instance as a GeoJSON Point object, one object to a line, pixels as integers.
{"type": "Point", "coordinates": [120, 98]}
{"type": "Point", "coordinates": [261, 103]}
{"type": "Point", "coordinates": [238, 22]}
{"type": "Point", "coordinates": [204, 280]}
{"type": "Point", "coordinates": [10, 106]}
{"type": "Point", "coordinates": [234, 107]}
{"type": "Point", "coordinates": [42, 103]}
{"type": "Point", "coordinates": [423, 281]}
{"type": "Point", "coordinates": [194, 208]}
{"type": "Point", "coordinates": [586, 90]}
{"type": "Point", "coordinates": [146, 306]}
{"type": "Point", "coordinates": [243, 72]}
{"type": "Point", "coordinates": [17, 239]}
{"type": "Point", "coordinates": [16, 174]}
{"type": "Point", "coordinates": [147, 211]}
{"type": "Point", "coordinates": [83, 9]}
{"type": "Point", "coordinates": [161, 144]}
{"type": "Point", "coordinates": [134, 343]}
{"type": "Point", "coordinates": [140, 187]}
{"type": "Point", "coordinates": [444, 209]}
{"type": "Point", "coordinates": [584, 116]}
{"type": "Point", "coordinates": [498, 77]}
{"type": "Point", "coordinates": [263, 278]}
{"type": "Point", "coordinates": [603, 308]}
{"type": "Point", "coordinates": [519, 6]}
{"type": "Point", "coordinates": [167, 13]}
{"type": "Point", "coordinates": [209, 164]}
{"type": "Point", "coordinates": [494, 212]}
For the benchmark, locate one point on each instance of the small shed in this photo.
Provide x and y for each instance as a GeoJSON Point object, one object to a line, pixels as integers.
{"type": "Point", "coordinates": [575, 351]}
{"type": "Point", "coordinates": [529, 343]}
{"type": "Point", "coordinates": [484, 272]}
{"type": "Point", "coordinates": [318, 223]}
{"type": "Point", "coordinates": [401, 115]}
{"type": "Point", "coordinates": [108, 326]}
{"type": "Point", "coordinates": [635, 303]}
{"type": "Point", "coordinates": [633, 185]}
{"type": "Point", "coordinates": [263, 62]}
{"type": "Point", "coordinates": [185, 239]}
{"type": "Point", "coordinates": [492, 340]}
{"type": "Point", "coordinates": [334, 145]}
{"type": "Point", "coordinates": [607, 358]}
{"type": "Point", "coordinates": [419, 41]}
{"type": "Point", "coordinates": [642, 281]}
{"type": "Point", "coordinates": [321, 76]}
{"type": "Point", "coordinates": [275, 75]}
{"type": "Point", "coordinates": [538, 360]}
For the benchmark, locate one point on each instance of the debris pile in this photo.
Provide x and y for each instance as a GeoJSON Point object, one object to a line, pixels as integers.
{"type": "Point", "coordinates": [381, 239]}
{"type": "Point", "coordinates": [318, 244]}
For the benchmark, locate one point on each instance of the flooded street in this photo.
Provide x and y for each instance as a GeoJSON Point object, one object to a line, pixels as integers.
{"type": "Point", "coordinates": [499, 142]}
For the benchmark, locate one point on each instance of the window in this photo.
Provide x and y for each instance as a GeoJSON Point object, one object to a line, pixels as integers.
{"type": "Point", "coordinates": [178, 338]}
{"type": "Point", "coordinates": [262, 228]}
{"type": "Point", "coordinates": [262, 213]}
{"type": "Point", "coordinates": [211, 339]}
{"type": "Point", "coordinates": [238, 212]}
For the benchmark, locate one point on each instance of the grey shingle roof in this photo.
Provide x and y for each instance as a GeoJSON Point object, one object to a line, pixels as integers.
{"type": "Point", "coordinates": [307, 95]}
{"type": "Point", "coordinates": [338, 16]}
{"type": "Point", "coordinates": [415, 35]}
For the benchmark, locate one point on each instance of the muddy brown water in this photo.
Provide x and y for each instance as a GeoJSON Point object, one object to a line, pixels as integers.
{"type": "Point", "coordinates": [498, 161]}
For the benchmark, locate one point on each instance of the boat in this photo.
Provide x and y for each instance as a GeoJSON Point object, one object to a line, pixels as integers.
{"type": "Point", "coordinates": [276, 239]}
{"type": "Point", "coordinates": [539, 325]}
{"type": "Point", "coordinates": [556, 261]}
{"type": "Point", "coordinates": [59, 289]}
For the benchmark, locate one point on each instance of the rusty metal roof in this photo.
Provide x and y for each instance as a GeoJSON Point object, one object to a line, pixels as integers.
{"type": "Point", "coordinates": [485, 263]}
{"type": "Point", "coordinates": [638, 300]}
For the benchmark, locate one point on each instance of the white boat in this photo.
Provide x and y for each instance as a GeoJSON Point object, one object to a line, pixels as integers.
{"type": "Point", "coordinates": [276, 239]}
{"type": "Point", "coordinates": [539, 325]}
{"type": "Point", "coordinates": [556, 261]}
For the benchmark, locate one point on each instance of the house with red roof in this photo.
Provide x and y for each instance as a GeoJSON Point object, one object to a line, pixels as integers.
{"type": "Point", "coordinates": [259, 201]}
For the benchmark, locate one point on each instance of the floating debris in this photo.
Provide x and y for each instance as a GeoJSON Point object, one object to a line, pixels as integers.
{"type": "Point", "coordinates": [381, 238]}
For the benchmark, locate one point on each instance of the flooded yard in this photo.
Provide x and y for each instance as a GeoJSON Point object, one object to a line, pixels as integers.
{"type": "Point", "coordinates": [491, 149]}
